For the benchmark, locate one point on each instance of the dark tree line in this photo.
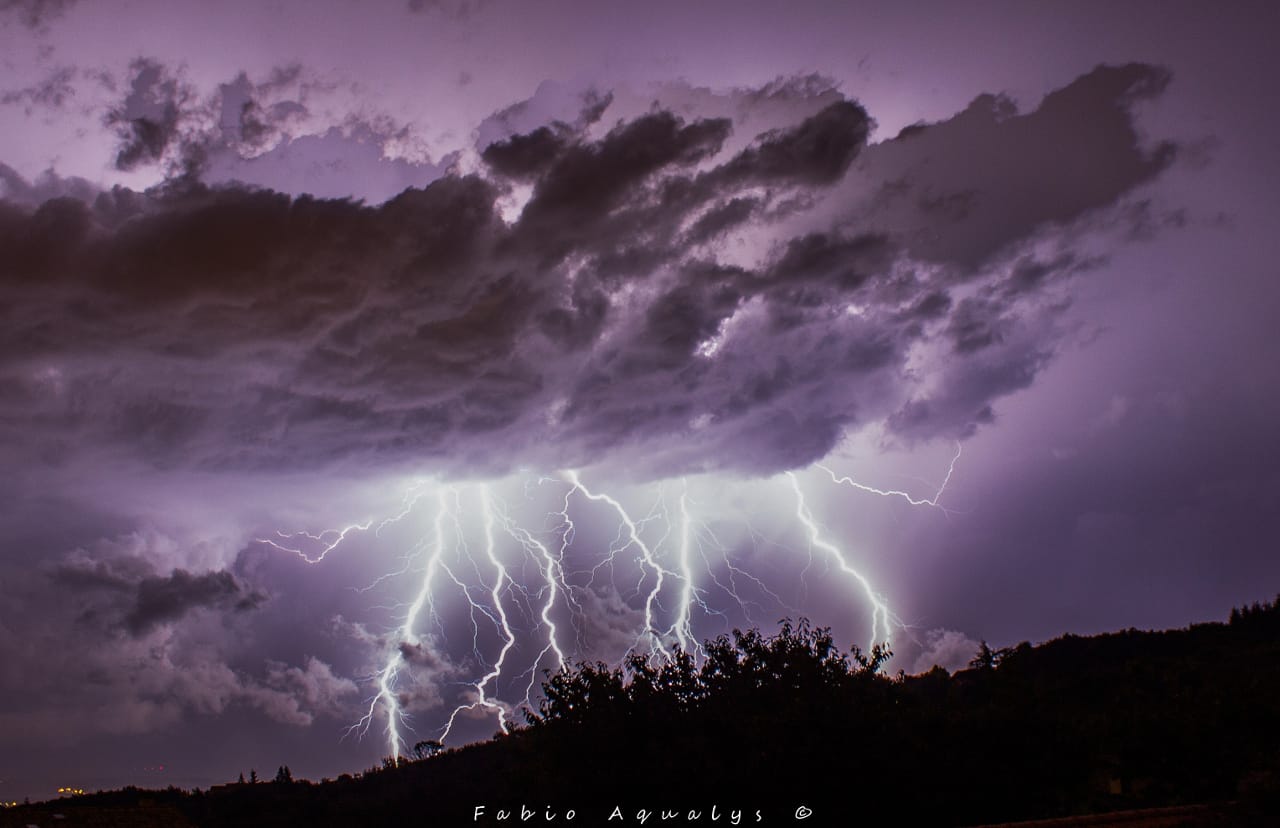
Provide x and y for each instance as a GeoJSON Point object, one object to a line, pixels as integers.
{"type": "Point", "coordinates": [1076, 725]}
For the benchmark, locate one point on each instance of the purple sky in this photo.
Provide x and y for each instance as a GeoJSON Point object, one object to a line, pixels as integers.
{"type": "Point", "coordinates": [398, 268]}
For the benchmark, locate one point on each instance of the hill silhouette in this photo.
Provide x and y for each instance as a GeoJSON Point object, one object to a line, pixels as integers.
{"type": "Point", "coordinates": [761, 727]}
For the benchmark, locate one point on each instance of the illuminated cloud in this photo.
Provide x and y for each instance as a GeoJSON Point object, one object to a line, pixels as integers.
{"type": "Point", "coordinates": [248, 329]}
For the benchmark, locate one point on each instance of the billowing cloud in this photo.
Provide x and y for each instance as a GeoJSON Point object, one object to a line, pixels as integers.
{"type": "Point", "coordinates": [667, 298]}
{"type": "Point", "coordinates": [100, 642]}
{"type": "Point", "coordinates": [129, 584]}
{"type": "Point", "coordinates": [296, 695]}
{"type": "Point", "coordinates": [162, 599]}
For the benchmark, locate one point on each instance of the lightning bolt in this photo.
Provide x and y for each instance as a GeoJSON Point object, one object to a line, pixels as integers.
{"type": "Point", "coordinates": [927, 501]}
{"type": "Point", "coordinates": [880, 615]}
{"type": "Point", "coordinates": [411, 497]}
{"type": "Point", "coordinates": [509, 638]}
{"type": "Point", "coordinates": [337, 535]}
{"type": "Point", "coordinates": [691, 532]}
{"type": "Point", "coordinates": [646, 555]}
{"type": "Point", "coordinates": [386, 697]}
{"type": "Point", "coordinates": [681, 561]}
{"type": "Point", "coordinates": [681, 629]}
{"type": "Point", "coordinates": [552, 570]}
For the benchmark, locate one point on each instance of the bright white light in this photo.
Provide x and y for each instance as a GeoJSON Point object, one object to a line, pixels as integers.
{"type": "Point", "coordinates": [678, 573]}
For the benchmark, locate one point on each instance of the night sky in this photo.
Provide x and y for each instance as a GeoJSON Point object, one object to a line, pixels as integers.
{"type": "Point", "coordinates": [360, 360]}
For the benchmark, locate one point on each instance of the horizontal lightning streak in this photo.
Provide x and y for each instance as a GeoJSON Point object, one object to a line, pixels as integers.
{"type": "Point", "coordinates": [926, 501]}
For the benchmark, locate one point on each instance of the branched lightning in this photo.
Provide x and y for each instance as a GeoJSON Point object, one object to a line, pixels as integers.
{"type": "Point", "coordinates": [386, 696]}
{"type": "Point", "coordinates": [509, 638]}
{"type": "Point", "coordinates": [650, 631]}
{"type": "Point", "coordinates": [327, 546]}
{"type": "Point", "coordinates": [524, 587]}
{"type": "Point", "coordinates": [880, 614]}
{"type": "Point", "coordinates": [735, 572]}
{"type": "Point", "coordinates": [553, 584]}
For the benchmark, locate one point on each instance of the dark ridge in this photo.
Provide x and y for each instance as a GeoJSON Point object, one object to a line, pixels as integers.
{"type": "Point", "coordinates": [1186, 721]}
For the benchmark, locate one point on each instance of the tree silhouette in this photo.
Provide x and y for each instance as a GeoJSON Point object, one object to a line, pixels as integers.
{"type": "Point", "coordinates": [984, 659]}
{"type": "Point", "coordinates": [799, 659]}
{"type": "Point", "coordinates": [1071, 726]}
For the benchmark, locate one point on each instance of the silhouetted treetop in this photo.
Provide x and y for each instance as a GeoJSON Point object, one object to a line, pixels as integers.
{"type": "Point", "coordinates": [799, 659]}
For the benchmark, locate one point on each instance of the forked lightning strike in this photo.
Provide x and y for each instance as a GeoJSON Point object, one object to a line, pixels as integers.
{"type": "Point", "coordinates": [534, 609]}
{"type": "Point", "coordinates": [880, 615]}
{"type": "Point", "coordinates": [509, 638]}
{"type": "Point", "coordinates": [633, 538]}
{"type": "Point", "coordinates": [553, 582]}
{"type": "Point", "coordinates": [386, 694]}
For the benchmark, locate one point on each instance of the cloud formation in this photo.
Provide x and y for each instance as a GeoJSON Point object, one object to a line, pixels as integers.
{"type": "Point", "coordinates": [143, 600]}
{"type": "Point", "coordinates": [105, 639]}
{"type": "Point", "coordinates": [665, 296]}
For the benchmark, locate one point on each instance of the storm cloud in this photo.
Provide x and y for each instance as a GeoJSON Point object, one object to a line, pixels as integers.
{"type": "Point", "coordinates": [667, 295]}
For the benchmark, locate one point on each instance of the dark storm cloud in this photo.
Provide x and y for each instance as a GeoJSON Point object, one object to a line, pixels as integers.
{"type": "Point", "coordinates": [670, 297]}
{"type": "Point", "coordinates": [592, 179]}
{"type": "Point", "coordinates": [818, 151]}
{"type": "Point", "coordinates": [165, 599]}
{"type": "Point", "coordinates": [126, 591]}
{"type": "Point", "coordinates": [526, 156]}
{"type": "Point", "coordinates": [826, 259]}
{"type": "Point", "coordinates": [720, 219]}
{"type": "Point", "coordinates": [963, 190]}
